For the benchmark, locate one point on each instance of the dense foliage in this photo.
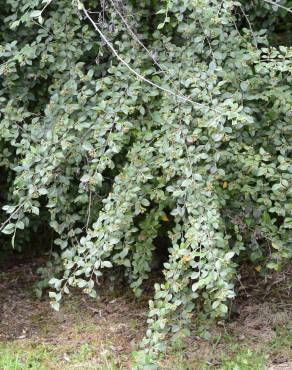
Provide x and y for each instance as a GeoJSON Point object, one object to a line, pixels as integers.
{"type": "Point", "coordinates": [122, 121]}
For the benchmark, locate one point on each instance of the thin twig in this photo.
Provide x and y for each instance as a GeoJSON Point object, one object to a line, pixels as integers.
{"type": "Point", "coordinates": [289, 10]}
{"type": "Point", "coordinates": [249, 24]}
{"type": "Point", "coordinates": [10, 217]}
{"type": "Point", "coordinates": [136, 37]}
{"type": "Point", "coordinates": [168, 91]}
{"type": "Point", "coordinates": [207, 38]}
{"type": "Point", "coordinates": [89, 210]}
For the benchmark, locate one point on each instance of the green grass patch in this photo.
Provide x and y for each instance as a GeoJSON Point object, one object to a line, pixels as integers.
{"type": "Point", "coordinates": [18, 358]}
{"type": "Point", "coordinates": [229, 354]}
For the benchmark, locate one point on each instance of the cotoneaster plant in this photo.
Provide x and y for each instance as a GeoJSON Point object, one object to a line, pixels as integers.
{"type": "Point", "coordinates": [118, 115]}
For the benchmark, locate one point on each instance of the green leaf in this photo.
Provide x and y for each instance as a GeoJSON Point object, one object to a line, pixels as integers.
{"type": "Point", "coordinates": [107, 264]}
{"type": "Point", "coordinates": [55, 306]}
{"type": "Point", "coordinates": [8, 229]}
{"type": "Point", "coordinates": [229, 255]}
{"type": "Point", "coordinates": [244, 86]}
{"type": "Point", "coordinates": [36, 14]}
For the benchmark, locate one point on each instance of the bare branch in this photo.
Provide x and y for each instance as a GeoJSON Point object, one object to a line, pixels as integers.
{"type": "Point", "coordinates": [249, 24]}
{"type": "Point", "coordinates": [136, 37]}
{"type": "Point", "coordinates": [289, 10]}
{"type": "Point", "coordinates": [142, 78]}
{"type": "Point", "coordinates": [20, 206]}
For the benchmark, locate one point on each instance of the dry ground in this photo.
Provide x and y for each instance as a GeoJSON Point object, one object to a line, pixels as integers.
{"type": "Point", "coordinates": [104, 333]}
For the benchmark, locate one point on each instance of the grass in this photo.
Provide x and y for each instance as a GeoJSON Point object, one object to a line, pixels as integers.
{"type": "Point", "coordinates": [245, 359]}
{"type": "Point", "coordinates": [23, 355]}
{"type": "Point", "coordinates": [40, 357]}
{"type": "Point", "coordinates": [13, 358]}
{"type": "Point", "coordinates": [226, 353]}
{"type": "Point", "coordinates": [104, 334]}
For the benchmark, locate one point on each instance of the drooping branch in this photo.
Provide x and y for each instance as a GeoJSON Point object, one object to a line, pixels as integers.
{"type": "Point", "coordinates": [137, 74]}
{"type": "Point", "coordinates": [289, 10]}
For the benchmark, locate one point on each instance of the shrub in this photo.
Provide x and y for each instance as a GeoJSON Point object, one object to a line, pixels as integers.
{"type": "Point", "coordinates": [116, 119]}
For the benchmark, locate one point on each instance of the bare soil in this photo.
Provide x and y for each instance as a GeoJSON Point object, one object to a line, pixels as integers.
{"type": "Point", "coordinates": [116, 322]}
